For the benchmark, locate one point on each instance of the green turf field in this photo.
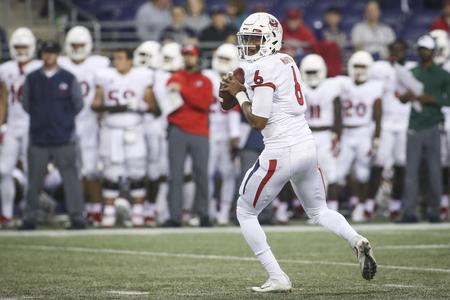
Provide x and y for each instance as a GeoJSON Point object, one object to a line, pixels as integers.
{"type": "Point", "coordinates": [217, 264]}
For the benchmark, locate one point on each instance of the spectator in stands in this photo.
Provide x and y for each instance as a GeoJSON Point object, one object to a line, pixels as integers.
{"type": "Point", "coordinates": [371, 35]}
{"type": "Point", "coordinates": [219, 31]}
{"type": "Point", "coordinates": [151, 18]}
{"type": "Point", "coordinates": [52, 97]}
{"type": "Point", "coordinates": [177, 31]}
{"type": "Point", "coordinates": [443, 21]}
{"type": "Point", "coordinates": [298, 38]}
{"type": "Point", "coordinates": [331, 31]}
{"type": "Point", "coordinates": [196, 19]}
{"type": "Point", "coordinates": [423, 142]}
{"type": "Point", "coordinates": [188, 135]}
{"type": "Point", "coordinates": [235, 11]}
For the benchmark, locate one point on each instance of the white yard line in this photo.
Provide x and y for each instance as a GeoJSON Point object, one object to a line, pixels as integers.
{"type": "Point", "coordinates": [400, 285]}
{"type": "Point", "coordinates": [128, 293]}
{"type": "Point", "coordinates": [415, 247]}
{"type": "Point", "coordinates": [232, 230]}
{"type": "Point", "coordinates": [212, 257]}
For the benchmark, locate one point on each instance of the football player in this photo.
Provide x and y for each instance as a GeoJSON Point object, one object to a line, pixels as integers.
{"type": "Point", "coordinates": [324, 118]}
{"type": "Point", "coordinates": [273, 102]}
{"type": "Point", "coordinates": [361, 112]}
{"type": "Point", "coordinates": [80, 62]}
{"type": "Point", "coordinates": [120, 93]}
{"type": "Point", "coordinates": [148, 55]}
{"type": "Point", "coordinates": [22, 45]}
{"type": "Point", "coordinates": [223, 133]}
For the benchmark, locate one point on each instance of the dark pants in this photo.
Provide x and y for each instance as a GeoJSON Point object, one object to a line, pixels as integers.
{"type": "Point", "coordinates": [65, 158]}
{"type": "Point", "coordinates": [181, 144]}
{"type": "Point", "coordinates": [423, 145]}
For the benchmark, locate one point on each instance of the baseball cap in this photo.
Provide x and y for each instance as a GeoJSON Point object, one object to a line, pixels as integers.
{"type": "Point", "coordinates": [294, 13]}
{"type": "Point", "coordinates": [190, 49]}
{"type": "Point", "coordinates": [426, 41]}
{"type": "Point", "coordinates": [50, 46]}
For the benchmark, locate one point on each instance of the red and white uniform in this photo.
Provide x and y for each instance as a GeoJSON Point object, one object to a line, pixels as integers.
{"type": "Point", "coordinates": [223, 126]}
{"type": "Point", "coordinates": [395, 118]}
{"type": "Point", "coordinates": [445, 137]}
{"type": "Point", "coordinates": [357, 119]}
{"type": "Point", "coordinates": [122, 139]}
{"type": "Point", "coordinates": [275, 89]}
{"type": "Point", "coordinates": [15, 140]}
{"type": "Point", "coordinates": [320, 116]}
{"type": "Point", "coordinates": [87, 120]}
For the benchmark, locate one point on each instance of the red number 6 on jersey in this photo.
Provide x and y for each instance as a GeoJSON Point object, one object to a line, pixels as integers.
{"type": "Point", "coordinates": [298, 90]}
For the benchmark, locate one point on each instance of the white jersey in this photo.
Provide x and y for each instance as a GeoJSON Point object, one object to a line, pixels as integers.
{"type": "Point", "coordinates": [395, 113]}
{"type": "Point", "coordinates": [14, 78]}
{"type": "Point", "coordinates": [160, 88]}
{"type": "Point", "coordinates": [321, 102]}
{"type": "Point", "coordinates": [358, 100]}
{"type": "Point", "coordinates": [124, 89]}
{"type": "Point", "coordinates": [446, 109]}
{"type": "Point", "coordinates": [223, 125]}
{"type": "Point", "coordinates": [85, 74]}
{"type": "Point", "coordinates": [286, 124]}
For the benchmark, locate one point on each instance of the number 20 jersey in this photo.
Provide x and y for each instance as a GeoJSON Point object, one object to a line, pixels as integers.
{"type": "Point", "coordinates": [358, 100]}
{"type": "Point", "coordinates": [286, 124]}
{"type": "Point", "coordinates": [14, 78]}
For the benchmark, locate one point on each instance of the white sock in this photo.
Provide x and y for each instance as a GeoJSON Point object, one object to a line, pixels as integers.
{"type": "Point", "coordinates": [109, 210]}
{"type": "Point", "coordinates": [333, 204]}
{"type": "Point", "coordinates": [369, 205]}
{"type": "Point", "coordinates": [256, 239]}
{"type": "Point", "coordinates": [335, 222]}
{"type": "Point", "coordinates": [8, 193]}
{"type": "Point", "coordinates": [354, 200]}
{"type": "Point", "coordinates": [149, 209]}
{"type": "Point", "coordinates": [138, 209]}
{"type": "Point", "coordinates": [395, 205]}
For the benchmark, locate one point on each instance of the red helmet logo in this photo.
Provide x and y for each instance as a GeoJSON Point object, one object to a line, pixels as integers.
{"type": "Point", "coordinates": [273, 22]}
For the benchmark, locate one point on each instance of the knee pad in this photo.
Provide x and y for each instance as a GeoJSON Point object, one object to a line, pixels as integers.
{"type": "Point", "coordinates": [137, 187]}
{"type": "Point", "coordinates": [110, 189]}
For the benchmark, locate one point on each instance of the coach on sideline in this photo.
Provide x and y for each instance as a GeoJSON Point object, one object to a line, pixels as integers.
{"type": "Point", "coordinates": [52, 97]}
{"type": "Point", "coordinates": [188, 134]}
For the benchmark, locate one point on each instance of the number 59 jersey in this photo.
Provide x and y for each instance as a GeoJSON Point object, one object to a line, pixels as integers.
{"type": "Point", "coordinates": [358, 100]}
{"type": "Point", "coordinates": [286, 125]}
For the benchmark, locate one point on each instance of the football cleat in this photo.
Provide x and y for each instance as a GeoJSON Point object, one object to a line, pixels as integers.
{"type": "Point", "coordinates": [274, 285]}
{"type": "Point", "coordinates": [367, 262]}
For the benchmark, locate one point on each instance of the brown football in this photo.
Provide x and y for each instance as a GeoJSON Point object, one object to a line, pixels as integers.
{"type": "Point", "coordinates": [229, 101]}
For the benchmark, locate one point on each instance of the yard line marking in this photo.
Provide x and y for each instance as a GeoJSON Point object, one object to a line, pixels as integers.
{"type": "Point", "coordinates": [407, 247]}
{"type": "Point", "coordinates": [400, 285]}
{"type": "Point", "coordinates": [213, 257]}
{"type": "Point", "coordinates": [385, 228]}
{"type": "Point", "coordinates": [128, 293]}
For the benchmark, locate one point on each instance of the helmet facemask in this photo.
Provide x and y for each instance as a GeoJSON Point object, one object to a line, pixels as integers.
{"type": "Point", "coordinates": [252, 46]}
{"type": "Point", "coordinates": [22, 53]}
{"type": "Point", "coordinates": [78, 51]}
{"type": "Point", "coordinates": [360, 72]}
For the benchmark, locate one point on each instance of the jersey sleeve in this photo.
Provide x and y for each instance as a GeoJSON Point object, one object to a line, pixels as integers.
{"type": "Point", "coordinates": [100, 78]}
{"type": "Point", "coordinates": [262, 101]}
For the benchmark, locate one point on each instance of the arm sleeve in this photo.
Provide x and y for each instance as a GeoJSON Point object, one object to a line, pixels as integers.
{"type": "Point", "coordinates": [262, 101]}
{"type": "Point", "coordinates": [26, 96]}
{"type": "Point", "coordinates": [77, 97]}
{"type": "Point", "coordinates": [407, 79]}
{"type": "Point", "coordinates": [234, 123]}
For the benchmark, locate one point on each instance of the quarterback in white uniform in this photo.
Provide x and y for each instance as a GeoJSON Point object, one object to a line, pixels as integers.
{"type": "Point", "coordinates": [223, 133]}
{"type": "Point", "coordinates": [80, 62]}
{"type": "Point", "coordinates": [15, 142]}
{"type": "Point", "coordinates": [324, 118]}
{"type": "Point", "coordinates": [272, 101]}
{"type": "Point", "coordinates": [123, 93]}
{"type": "Point", "coordinates": [361, 112]}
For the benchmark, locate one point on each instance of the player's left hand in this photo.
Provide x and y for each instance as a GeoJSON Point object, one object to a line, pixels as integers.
{"type": "Point", "coordinates": [231, 85]}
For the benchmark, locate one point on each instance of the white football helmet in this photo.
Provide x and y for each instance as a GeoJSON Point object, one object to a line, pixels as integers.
{"type": "Point", "coordinates": [225, 59]}
{"type": "Point", "coordinates": [442, 51]}
{"type": "Point", "coordinates": [261, 31]}
{"type": "Point", "coordinates": [22, 37]}
{"type": "Point", "coordinates": [358, 66]}
{"type": "Point", "coordinates": [78, 35]}
{"type": "Point", "coordinates": [313, 70]}
{"type": "Point", "coordinates": [148, 55]}
{"type": "Point", "coordinates": [172, 60]}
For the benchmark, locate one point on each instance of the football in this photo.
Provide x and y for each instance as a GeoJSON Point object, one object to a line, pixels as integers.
{"type": "Point", "coordinates": [228, 100]}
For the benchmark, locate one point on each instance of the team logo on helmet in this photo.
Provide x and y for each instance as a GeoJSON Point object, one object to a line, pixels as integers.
{"type": "Point", "coordinates": [273, 22]}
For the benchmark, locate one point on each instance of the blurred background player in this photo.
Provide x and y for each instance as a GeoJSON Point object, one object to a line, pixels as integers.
{"type": "Point", "coordinates": [148, 55]}
{"type": "Point", "coordinates": [324, 118]}
{"type": "Point", "coordinates": [80, 62]}
{"type": "Point", "coordinates": [223, 135]}
{"type": "Point", "coordinates": [22, 47]}
{"type": "Point", "coordinates": [361, 118]}
{"type": "Point", "coordinates": [121, 92]}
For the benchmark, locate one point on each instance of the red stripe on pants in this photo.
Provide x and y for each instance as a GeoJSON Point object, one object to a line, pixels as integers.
{"type": "Point", "coordinates": [272, 167]}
